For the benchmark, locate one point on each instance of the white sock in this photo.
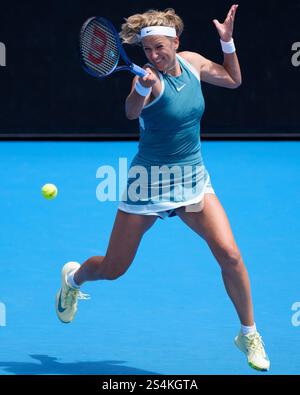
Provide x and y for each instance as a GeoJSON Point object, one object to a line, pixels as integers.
{"type": "Point", "coordinates": [246, 330]}
{"type": "Point", "coordinates": [70, 279]}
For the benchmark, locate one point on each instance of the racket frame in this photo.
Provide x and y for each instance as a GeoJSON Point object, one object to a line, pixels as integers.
{"type": "Point", "coordinates": [130, 66]}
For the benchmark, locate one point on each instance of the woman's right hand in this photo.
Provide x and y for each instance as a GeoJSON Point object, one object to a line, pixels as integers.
{"type": "Point", "coordinates": [149, 80]}
{"type": "Point", "coordinates": [134, 103]}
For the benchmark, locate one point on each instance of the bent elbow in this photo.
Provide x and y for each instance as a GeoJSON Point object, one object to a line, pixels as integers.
{"type": "Point", "coordinates": [236, 84]}
{"type": "Point", "coordinates": [131, 112]}
{"type": "Point", "coordinates": [131, 117]}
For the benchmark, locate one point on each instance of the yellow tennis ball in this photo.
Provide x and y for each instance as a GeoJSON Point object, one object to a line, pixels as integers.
{"type": "Point", "coordinates": [49, 191]}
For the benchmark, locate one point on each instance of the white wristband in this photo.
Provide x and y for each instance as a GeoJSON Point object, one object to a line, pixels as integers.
{"type": "Point", "coordinates": [141, 90]}
{"type": "Point", "coordinates": [228, 46]}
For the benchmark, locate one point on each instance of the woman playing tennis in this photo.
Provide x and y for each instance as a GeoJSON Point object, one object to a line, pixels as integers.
{"type": "Point", "coordinates": [169, 104]}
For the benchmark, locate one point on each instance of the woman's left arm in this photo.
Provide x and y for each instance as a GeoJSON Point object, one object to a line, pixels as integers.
{"type": "Point", "coordinates": [227, 75]}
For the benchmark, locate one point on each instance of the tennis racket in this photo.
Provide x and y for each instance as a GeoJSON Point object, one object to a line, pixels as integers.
{"type": "Point", "coordinates": [100, 49]}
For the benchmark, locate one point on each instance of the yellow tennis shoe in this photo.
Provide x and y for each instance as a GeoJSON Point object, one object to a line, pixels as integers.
{"type": "Point", "coordinates": [67, 297]}
{"type": "Point", "coordinates": [253, 346]}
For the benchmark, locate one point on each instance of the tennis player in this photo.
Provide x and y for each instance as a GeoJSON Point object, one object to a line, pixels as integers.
{"type": "Point", "coordinates": [169, 104]}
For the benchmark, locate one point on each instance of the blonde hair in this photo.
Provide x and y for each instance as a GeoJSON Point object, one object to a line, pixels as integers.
{"type": "Point", "coordinates": [133, 25]}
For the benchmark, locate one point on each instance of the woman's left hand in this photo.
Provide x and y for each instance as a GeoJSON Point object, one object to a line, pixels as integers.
{"type": "Point", "coordinates": [225, 29]}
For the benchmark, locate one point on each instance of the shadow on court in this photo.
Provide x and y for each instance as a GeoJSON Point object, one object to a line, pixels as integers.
{"type": "Point", "coordinates": [49, 365]}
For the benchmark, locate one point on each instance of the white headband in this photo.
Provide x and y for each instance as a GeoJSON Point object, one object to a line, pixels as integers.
{"type": "Point", "coordinates": [157, 30]}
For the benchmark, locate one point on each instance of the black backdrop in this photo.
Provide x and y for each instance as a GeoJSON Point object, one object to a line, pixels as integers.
{"type": "Point", "coordinates": [44, 91]}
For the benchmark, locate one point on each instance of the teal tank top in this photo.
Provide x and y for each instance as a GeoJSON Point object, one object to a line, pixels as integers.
{"type": "Point", "coordinates": [170, 136]}
{"type": "Point", "coordinates": [170, 125]}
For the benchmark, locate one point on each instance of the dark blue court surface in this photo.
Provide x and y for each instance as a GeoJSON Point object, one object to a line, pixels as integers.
{"type": "Point", "coordinates": [169, 314]}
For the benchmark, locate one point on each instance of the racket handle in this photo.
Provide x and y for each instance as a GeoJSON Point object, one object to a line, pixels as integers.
{"type": "Point", "coordinates": [138, 70]}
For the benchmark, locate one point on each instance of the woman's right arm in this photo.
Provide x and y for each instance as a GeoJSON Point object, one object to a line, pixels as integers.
{"type": "Point", "coordinates": [135, 102]}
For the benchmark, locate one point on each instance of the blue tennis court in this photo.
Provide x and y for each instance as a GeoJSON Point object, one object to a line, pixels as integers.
{"type": "Point", "coordinates": [169, 314]}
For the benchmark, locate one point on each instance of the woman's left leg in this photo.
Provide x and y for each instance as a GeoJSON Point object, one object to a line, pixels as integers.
{"type": "Point", "coordinates": [211, 223]}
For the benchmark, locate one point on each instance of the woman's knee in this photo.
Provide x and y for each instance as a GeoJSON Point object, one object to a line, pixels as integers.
{"type": "Point", "coordinates": [112, 271]}
{"type": "Point", "coordinates": [114, 274]}
{"type": "Point", "coordinates": [229, 258]}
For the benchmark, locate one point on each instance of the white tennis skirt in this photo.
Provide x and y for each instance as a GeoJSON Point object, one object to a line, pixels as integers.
{"type": "Point", "coordinates": [168, 209]}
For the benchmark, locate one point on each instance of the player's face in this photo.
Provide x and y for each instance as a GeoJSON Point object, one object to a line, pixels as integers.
{"type": "Point", "coordinates": [161, 51]}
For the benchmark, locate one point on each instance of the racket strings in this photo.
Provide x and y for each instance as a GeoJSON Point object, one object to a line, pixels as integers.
{"type": "Point", "coordinates": [99, 48]}
{"type": "Point", "coordinates": [100, 57]}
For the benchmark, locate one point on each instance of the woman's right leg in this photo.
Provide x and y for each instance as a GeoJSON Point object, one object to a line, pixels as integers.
{"type": "Point", "coordinates": [125, 238]}
{"type": "Point", "coordinates": [126, 235]}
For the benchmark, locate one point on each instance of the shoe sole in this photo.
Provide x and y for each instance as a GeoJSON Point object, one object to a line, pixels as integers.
{"type": "Point", "coordinates": [56, 309]}
{"type": "Point", "coordinates": [257, 368]}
